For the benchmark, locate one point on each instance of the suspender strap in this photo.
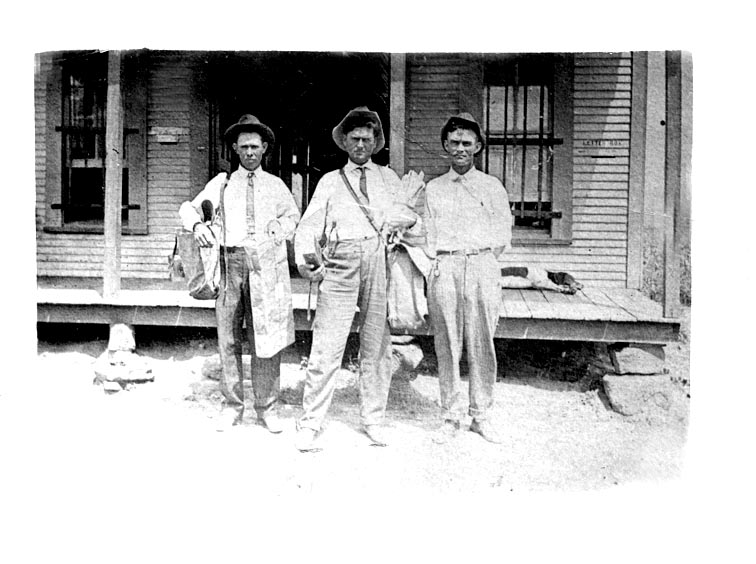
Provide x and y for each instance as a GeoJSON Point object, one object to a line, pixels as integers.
{"type": "Point", "coordinates": [223, 232]}
{"type": "Point", "coordinates": [360, 203]}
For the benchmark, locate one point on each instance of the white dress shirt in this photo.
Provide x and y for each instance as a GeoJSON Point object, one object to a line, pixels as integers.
{"type": "Point", "coordinates": [469, 211]}
{"type": "Point", "coordinates": [334, 211]}
{"type": "Point", "coordinates": [272, 199]}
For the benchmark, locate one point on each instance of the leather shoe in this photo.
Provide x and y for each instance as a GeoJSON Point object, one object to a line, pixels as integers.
{"type": "Point", "coordinates": [376, 434]}
{"type": "Point", "coordinates": [271, 422]}
{"type": "Point", "coordinates": [486, 430]}
{"type": "Point", "coordinates": [305, 440]}
{"type": "Point", "coordinates": [446, 432]}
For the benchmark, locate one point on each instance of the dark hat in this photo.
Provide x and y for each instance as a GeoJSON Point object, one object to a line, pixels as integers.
{"type": "Point", "coordinates": [249, 123]}
{"type": "Point", "coordinates": [464, 120]}
{"type": "Point", "coordinates": [358, 115]}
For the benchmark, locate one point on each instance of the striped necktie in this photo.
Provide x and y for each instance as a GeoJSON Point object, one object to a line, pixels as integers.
{"type": "Point", "coordinates": [251, 203]}
{"type": "Point", "coordinates": [363, 182]}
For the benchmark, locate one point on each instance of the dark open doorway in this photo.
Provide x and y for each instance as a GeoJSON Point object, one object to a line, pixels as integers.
{"type": "Point", "coordinates": [301, 96]}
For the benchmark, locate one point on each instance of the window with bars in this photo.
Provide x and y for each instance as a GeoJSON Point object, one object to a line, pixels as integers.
{"type": "Point", "coordinates": [526, 123]}
{"type": "Point", "coordinates": [77, 161]}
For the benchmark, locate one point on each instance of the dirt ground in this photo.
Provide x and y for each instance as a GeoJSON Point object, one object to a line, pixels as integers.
{"type": "Point", "coordinates": [561, 434]}
{"type": "Point", "coordinates": [130, 469]}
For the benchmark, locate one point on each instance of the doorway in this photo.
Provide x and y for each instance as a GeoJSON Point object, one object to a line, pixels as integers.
{"type": "Point", "coordinates": [301, 96]}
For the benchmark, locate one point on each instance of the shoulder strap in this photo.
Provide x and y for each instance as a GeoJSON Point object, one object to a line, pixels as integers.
{"type": "Point", "coordinates": [362, 206]}
{"type": "Point", "coordinates": [222, 208]}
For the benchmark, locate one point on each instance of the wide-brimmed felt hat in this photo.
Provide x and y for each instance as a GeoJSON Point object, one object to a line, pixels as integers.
{"type": "Point", "coordinates": [359, 114]}
{"type": "Point", "coordinates": [249, 123]}
{"type": "Point", "coordinates": [466, 121]}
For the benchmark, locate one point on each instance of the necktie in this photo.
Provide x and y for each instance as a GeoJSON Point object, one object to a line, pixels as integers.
{"type": "Point", "coordinates": [363, 182]}
{"type": "Point", "coordinates": [251, 203]}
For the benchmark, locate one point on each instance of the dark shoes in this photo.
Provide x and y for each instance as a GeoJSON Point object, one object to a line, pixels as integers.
{"type": "Point", "coordinates": [486, 430]}
{"type": "Point", "coordinates": [376, 434]}
{"type": "Point", "coordinates": [446, 432]}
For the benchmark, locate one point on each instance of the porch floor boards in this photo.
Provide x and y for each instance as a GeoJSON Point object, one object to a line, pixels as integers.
{"type": "Point", "coordinates": [593, 314]}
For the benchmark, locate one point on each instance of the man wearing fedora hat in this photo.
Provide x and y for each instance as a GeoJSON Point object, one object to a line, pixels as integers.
{"type": "Point", "coordinates": [351, 211]}
{"type": "Point", "coordinates": [469, 225]}
{"type": "Point", "coordinates": [253, 212]}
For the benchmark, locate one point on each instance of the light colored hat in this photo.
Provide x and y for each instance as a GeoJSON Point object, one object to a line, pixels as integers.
{"type": "Point", "coordinates": [355, 118]}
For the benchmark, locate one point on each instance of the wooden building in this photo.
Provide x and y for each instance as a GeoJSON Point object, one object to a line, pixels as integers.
{"type": "Point", "coordinates": [594, 158]}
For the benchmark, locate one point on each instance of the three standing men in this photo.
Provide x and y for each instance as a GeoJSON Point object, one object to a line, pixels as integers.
{"type": "Point", "coordinates": [352, 209]}
{"type": "Point", "coordinates": [252, 213]}
{"type": "Point", "coordinates": [469, 224]}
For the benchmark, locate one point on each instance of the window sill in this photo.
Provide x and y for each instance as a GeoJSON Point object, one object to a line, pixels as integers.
{"type": "Point", "coordinates": [536, 241]}
{"type": "Point", "coordinates": [92, 229]}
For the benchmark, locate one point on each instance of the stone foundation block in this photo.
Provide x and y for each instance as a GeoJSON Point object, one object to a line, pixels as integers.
{"type": "Point", "coordinates": [638, 359]}
{"type": "Point", "coordinates": [640, 394]}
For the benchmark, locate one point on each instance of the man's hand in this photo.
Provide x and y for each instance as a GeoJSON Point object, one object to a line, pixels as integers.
{"type": "Point", "coordinates": [203, 235]}
{"type": "Point", "coordinates": [311, 272]}
{"type": "Point", "coordinates": [275, 231]}
{"type": "Point", "coordinates": [400, 216]}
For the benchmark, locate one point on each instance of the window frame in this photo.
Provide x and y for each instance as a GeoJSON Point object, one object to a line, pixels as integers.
{"type": "Point", "coordinates": [134, 96]}
{"type": "Point", "coordinates": [560, 232]}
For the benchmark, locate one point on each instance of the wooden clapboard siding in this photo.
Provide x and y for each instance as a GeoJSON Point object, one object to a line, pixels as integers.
{"type": "Point", "coordinates": [601, 174]}
{"type": "Point", "coordinates": [434, 82]}
{"type": "Point", "coordinates": [42, 66]}
{"type": "Point", "coordinates": [168, 181]}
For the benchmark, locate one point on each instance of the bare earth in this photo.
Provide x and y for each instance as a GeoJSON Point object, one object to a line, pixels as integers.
{"type": "Point", "coordinates": [142, 475]}
{"type": "Point", "coordinates": [560, 434]}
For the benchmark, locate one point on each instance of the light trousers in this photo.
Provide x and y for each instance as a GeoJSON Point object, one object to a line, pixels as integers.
{"type": "Point", "coordinates": [355, 277]}
{"type": "Point", "coordinates": [464, 296]}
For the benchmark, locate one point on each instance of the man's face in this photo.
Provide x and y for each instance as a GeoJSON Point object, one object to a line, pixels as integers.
{"type": "Point", "coordinates": [462, 144]}
{"type": "Point", "coordinates": [359, 144]}
{"type": "Point", "coordinates": [250, 147]}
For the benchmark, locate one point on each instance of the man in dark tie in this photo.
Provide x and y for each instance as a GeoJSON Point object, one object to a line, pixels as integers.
{"type": "Point", "coordinates": [352, 210]}
{"type": "Point", "coordinates": [253, 212]}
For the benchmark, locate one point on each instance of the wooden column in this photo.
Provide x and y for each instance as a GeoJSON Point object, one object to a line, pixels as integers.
{"type": "Point", "coordinates": [398, 112]}
{"type": "Point", "coordinates": [113, 178]}
{"type": "Point", "coordinates": [672, 183]}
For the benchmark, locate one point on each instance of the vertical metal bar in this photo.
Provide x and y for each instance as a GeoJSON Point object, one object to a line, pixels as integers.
{"type": "Point", "coordinates": [540, 152]}
{"type": "Point", "coordinates": [488, 126]}
{"type": "Point", "coordinates": [524, 149]}
{"type": "Point", "coordinates": [306, 183]}
{"type": "Point", "coordinates": [506, 131]}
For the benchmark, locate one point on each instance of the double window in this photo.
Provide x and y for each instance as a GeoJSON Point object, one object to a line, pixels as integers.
{"type": "Point", "coordinates": [527, 122]}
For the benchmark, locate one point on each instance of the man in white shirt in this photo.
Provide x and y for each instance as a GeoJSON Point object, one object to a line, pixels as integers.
{"type": "Point", "coordinates": [469, 225]}
{"type": "Point", "coordinates": [351, 210]}
{"type": "Point", "coordinates": [251, 224]}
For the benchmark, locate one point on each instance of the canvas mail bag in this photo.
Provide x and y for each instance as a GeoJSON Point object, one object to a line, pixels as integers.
{"type": "Point", "coordinates": [199, 265]}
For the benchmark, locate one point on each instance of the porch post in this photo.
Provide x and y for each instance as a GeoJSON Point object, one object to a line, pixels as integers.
{"type": "Point", "coordinates": [398, 112]}
{"type": "Point", "coordinates": [113, 178]}
{"type": "Point", "coordinates": [672, 183]}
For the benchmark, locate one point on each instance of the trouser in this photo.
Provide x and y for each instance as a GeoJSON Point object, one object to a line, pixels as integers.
{"type": "Point", "coordinates": [232, 309]}
{"type": "Point", "coordinates": [355, 277]}
{"type": "Point", "coordinates": [464, 296]}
